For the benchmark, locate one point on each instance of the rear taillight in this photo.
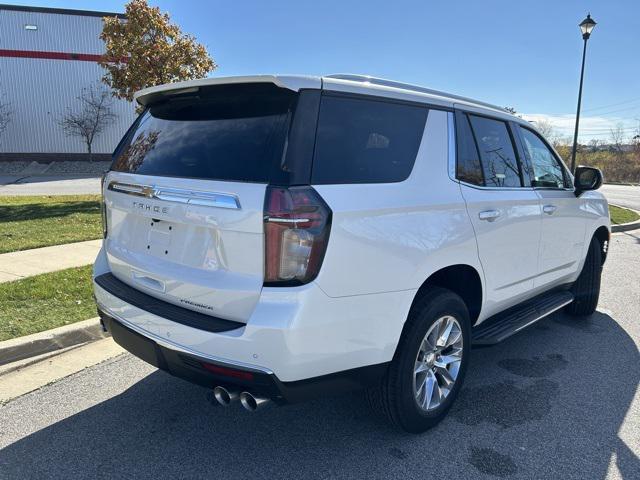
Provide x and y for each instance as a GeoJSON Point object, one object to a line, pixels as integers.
{"type": "Point", "coordinates": [103, 206]}
{"type": "Point", "coordinates": [296, 226]}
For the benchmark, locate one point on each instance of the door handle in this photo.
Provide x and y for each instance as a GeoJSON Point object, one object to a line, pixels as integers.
{"type": "Point", "coordinates": [489, 215]}
{"type": "Point", "coordinates": [549, 209]}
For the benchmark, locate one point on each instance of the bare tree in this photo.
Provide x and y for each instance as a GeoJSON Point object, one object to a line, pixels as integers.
{"type": "Point", "coordinates": [5, 116]}
{"type": "Point", "coordinates": [616, 137]}
{"type": "Point", "coordinates": [635, 139]}
{"type": "Point", "coordinates": [93, 114]}
{"type": "Point", "coordinates": [545, 127]}
{"type": "Point", "coordinates": [595, 144]}
{"type": "Point", "coordinates": [548, 131]}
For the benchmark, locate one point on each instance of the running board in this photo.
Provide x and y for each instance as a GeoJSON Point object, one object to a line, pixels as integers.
{"type": "Point", "coordinates": [501, 326]}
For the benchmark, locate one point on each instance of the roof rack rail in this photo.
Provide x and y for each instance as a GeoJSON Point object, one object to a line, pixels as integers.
{"type": "Point", "coordinates": [407, 86]}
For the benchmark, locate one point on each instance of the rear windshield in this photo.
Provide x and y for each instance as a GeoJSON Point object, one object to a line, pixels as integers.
{"type": "Point", "coordinates": [230, 132]}
{"type": "Point", "coordinates": [265, 134]}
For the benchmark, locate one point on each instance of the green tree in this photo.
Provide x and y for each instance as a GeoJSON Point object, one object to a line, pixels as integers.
{"type": "Point", "coordinates": [147, 50]}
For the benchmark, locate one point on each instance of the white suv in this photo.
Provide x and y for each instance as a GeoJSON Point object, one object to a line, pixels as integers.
{"type": "Point", "coordinates": [277, 238]}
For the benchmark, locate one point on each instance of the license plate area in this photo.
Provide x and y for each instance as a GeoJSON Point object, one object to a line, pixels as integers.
{"type": "Point", "coordinates": [159, 237]}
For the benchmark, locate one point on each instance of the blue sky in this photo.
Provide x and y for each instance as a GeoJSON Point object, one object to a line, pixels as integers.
{"type": "Point", "coordinates": [525, 54]}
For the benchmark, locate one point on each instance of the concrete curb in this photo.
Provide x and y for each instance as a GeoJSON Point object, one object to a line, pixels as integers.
{"type": "Point", "coordinates": [625, 227]}
{"type": "Point", "coordinates": [50, 340]}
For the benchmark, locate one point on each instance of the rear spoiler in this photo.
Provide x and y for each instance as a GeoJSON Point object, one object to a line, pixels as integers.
{"type": "Point", "coordinates": [291, 82]}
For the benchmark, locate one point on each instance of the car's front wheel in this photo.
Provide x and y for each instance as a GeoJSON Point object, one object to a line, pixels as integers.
{"type": "Point", "coordinates": [586, 288]}
{"type": "Point", "coordinates": [428, 368]}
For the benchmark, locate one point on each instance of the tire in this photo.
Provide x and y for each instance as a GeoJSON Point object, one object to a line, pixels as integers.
{"type": "Point", "coordinates": [395, 397]}
{"type": "Point", "coordinates": [586, 288]}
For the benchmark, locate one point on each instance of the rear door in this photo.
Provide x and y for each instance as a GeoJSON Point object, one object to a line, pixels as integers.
{"type": "Point", "coordinates": [563, 222]}
{"type": "Point", "coordinates": [505, 215]}
{"type": "Point", "coordinates": [186, 191]}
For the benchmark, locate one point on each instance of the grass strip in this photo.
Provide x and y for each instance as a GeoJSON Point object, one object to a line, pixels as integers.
{"type": "Point", "coordinates": [42, 221]}
{"type": "Point", "coordinates": [46, 301]}
{"type": "Point", "coordinates": [622, 215]}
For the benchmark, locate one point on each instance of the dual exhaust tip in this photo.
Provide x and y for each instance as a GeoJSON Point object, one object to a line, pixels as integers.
{"type": "Point", "coordinates": [250, 402]}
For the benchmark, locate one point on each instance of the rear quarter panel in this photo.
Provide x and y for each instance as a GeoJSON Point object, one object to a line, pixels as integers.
{"type": "Point", "coordinates": [392, 237]}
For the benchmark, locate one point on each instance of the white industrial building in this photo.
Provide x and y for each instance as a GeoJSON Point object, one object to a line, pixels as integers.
{"type": "Point", "coordinates": [47, 56]}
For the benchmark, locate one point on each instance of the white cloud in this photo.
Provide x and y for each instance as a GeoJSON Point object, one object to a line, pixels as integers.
{"type": "Point", "coordinates": [590, 126]}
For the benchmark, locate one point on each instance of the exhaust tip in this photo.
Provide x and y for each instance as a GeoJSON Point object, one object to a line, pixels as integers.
{"type": "Point", "coordinates": [251, 403]}
{"type": "Point", "coordinates": [223, 396]}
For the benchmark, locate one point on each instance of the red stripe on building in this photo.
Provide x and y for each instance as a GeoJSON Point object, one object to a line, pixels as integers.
{"type": "Point", "coordinates": [83, 57]}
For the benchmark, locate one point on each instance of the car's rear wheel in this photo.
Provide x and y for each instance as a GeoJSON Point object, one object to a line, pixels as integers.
{"type": "Point", "coordinates": [586, 288]}
{"type": "Point", "coordinates": [428, 368]}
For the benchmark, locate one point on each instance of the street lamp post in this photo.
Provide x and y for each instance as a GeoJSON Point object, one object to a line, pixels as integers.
{"type": "Point", "coordinates": [586, 26]}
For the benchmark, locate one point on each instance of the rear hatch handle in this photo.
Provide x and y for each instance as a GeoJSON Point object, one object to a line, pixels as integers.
{"type": "Point", "coordinates": [147, 281]}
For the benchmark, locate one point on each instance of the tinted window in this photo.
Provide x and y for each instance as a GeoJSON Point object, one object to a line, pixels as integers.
{"type": "Point", "coordinates": [547, 171]}
{"type": "Point", "coordinates": [468, 167]}
{"type": "Point", "coordinates": [499, 162]}
{"type": "Point", "coordinates": [226, 133]}
{"type": "Point", "coordinates": [366, 141]}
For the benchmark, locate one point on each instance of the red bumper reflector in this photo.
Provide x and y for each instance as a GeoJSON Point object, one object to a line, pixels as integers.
{"type": "Point", "coordinates": [227, 372]}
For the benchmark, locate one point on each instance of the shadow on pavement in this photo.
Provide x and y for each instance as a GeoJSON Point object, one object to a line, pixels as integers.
{"type": "Point", "coordinates": [548, 403]}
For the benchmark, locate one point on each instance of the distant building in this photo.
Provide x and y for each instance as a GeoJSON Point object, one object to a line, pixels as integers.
{"type": "Point", "coordinates": [47, 56]}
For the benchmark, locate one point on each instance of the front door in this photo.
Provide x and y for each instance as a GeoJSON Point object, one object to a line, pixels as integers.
{"type": "Point", "coordinates": [563, 222]}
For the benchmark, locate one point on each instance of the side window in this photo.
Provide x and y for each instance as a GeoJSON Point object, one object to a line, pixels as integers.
{"type": "Point", "coordinates": [468, 167]}
{"type": "Point", "coordinates": [547, 171]}
{"type": "Point", "coordinates": [366, 141]}
{"type": "Point", "coordinates": [499, 163]}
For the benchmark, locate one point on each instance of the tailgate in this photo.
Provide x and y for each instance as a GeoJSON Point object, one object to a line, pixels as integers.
{"type": "Point", "coordinates": [194, 243]}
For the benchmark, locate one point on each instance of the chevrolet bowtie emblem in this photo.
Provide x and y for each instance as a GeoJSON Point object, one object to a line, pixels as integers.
{"type": "Point", "coordinates": [149, 192]}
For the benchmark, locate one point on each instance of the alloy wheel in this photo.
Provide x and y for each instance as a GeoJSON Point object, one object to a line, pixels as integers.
{"type": "Point", "coordinates": [438, 363]}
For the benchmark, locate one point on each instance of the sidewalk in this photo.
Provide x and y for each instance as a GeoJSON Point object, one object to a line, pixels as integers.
{"type": "Point", "coordinates": [34, 375]}
{"type": "Point", "coordinates": [50, 185]}
{"type": "Point", "coordinates": [17, 265]}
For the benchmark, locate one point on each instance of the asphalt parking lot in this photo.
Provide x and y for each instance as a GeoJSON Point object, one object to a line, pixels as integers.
{"type": "Point", "coordinates": [623, 195]}
{"type": "Point", "coordinates": [557, 401]}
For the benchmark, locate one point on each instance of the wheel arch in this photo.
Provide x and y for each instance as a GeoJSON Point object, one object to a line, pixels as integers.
{"type": "Point", "coordinates": [603, 235]}
{"type": "Point", "coordinates": [462, 279]}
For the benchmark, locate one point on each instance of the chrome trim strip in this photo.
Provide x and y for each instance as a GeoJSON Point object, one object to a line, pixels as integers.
{"type": "Point", "coordinates": [286, 220]}
{"type": "Point", "coordinates": [178, 195]}
{"type": "Point", "coordinates": [128, 188]}
{"type": "Point", "coordinates": [480, 187]}
{"type": "Point", "coordinates": [174, 346]}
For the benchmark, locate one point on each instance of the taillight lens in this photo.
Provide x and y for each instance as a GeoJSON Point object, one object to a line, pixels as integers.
{"type": "Point", "coordinates": [296, 226]}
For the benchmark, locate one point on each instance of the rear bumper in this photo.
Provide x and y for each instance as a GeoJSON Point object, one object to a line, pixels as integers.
{"type": "Point", "coordinates": [297, 334]}
{"type": "Point", "coordinates": [211, 373]}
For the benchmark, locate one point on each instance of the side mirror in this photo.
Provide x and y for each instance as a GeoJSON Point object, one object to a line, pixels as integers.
{"type": "Point", "coordinates": [587, 178]}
